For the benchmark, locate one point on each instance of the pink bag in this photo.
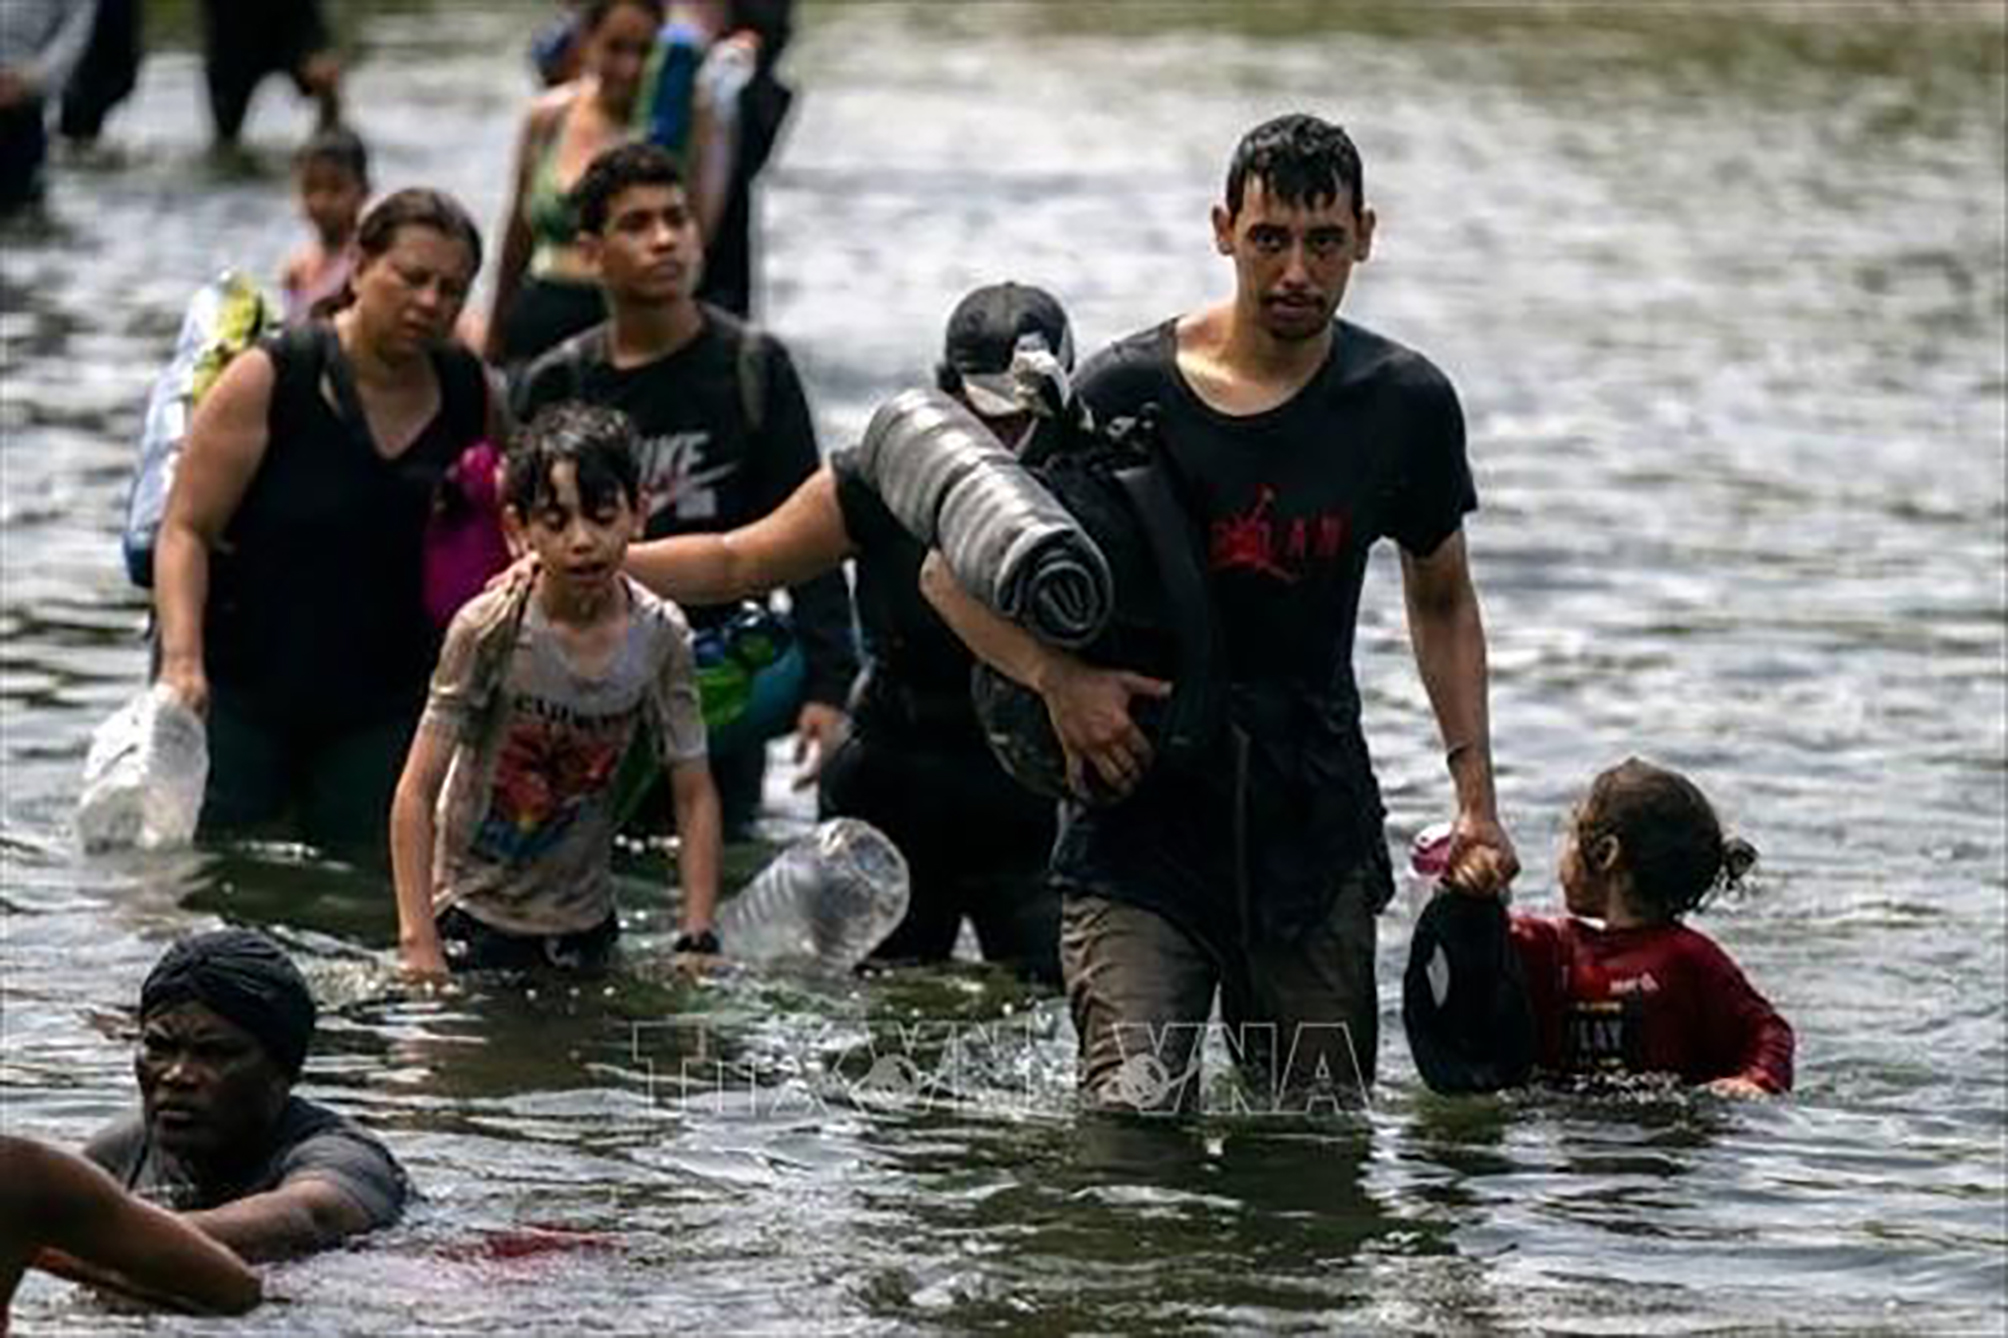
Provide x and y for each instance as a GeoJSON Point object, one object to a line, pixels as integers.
{"type": "Point", "coordinates": [464, 546]}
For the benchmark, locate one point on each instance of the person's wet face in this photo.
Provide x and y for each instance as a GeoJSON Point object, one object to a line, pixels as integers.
{"type": "Point", "coordinates": [1292, 259]}
{"type": "Point", "coordinates": [208, 1089]}
{"type": "Point", "coordinates": [410, 295]}
{"type": "Point", "coordinates": [649, 251]}
{"type": "Point", "coordinates": [617, 51]}
{"type": "Point", "coordinates": [332, 198]}
{"type": "Point", "coordinates": [579, 544]}
{"type": "Point", "coordinates": [1585, 889]}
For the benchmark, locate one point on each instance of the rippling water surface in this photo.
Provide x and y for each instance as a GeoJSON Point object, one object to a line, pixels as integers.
{"type": "Point", "coordinates": [1724, 294]}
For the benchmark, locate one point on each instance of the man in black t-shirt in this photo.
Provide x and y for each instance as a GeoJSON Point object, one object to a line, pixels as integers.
{"type": "Point", "coordinates": [225, 1022]}
{"type": "Point", "coordinates": [725, 429]}
{"type": "Point", "coordinates": [1297, 439]}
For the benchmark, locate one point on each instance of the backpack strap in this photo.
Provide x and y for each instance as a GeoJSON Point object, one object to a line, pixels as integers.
{"type": "Point", "coordinates": [579, 351]}
{"type": "Point", "coordinates": [334, 364]}
{"type": "Point", "coordinates": [1192, 715]}
{"type": "Point", "coordinates": [751, 374]}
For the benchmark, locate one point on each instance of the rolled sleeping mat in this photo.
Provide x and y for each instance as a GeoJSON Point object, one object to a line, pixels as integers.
{"type": "Point", "coordinates": [1119, 486]}
{"type": "Point", "coordinates": [1008, 541]}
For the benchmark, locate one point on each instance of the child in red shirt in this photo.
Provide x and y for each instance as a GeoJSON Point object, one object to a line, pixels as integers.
{"type": "Point", "coordinates": [1488, 998]}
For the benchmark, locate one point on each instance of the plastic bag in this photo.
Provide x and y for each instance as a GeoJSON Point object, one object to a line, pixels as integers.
{"type": "Point", "coordinates": [830, 898]}
{"type": "Point", "coordinates": [144, 775]}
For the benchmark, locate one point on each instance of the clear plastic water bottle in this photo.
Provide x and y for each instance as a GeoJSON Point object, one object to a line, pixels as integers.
{"type": "Point", "coordinates": [831, 898]}
{"type": "Point", "coordinates": [144, 775]}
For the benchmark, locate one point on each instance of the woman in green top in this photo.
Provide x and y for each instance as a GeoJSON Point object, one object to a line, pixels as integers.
{"type": "Point", "coordinates": [543, 290]}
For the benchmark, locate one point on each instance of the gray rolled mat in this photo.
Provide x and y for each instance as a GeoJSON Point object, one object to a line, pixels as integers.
{"type": "Point", "coordinates": [1006, 538]}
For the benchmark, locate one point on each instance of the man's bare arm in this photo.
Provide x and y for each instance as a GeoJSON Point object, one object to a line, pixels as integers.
{"type": "Point", "coordinates": [1447, 632]}
{"type": "Point", "coordinates": [1089, 707]}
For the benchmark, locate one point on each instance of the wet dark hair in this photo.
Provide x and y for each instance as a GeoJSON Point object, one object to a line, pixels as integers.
{"type": "Point", "coordinates": [340, 148]}
{"type": "Point", "coordinates": [1304, 160]}
{"type": "Point", "coordinates": [616, 170]}
{"type": "Point", "coordinates": [592, 15]}
{"type": "Point", "coordinates": [417, 207]}
{"type": "Point", "coordinates": [599, 442]}
{"type": "Point", "coordinates": [1669, 840]}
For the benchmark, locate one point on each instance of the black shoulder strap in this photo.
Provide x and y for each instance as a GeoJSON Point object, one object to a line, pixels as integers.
{"type": "Point", "coordinates": [463, 391]}
{"type": "Point", "coordinates": [1192, 715]}
{"type": "Point", "coordinates": [752, 378]}
{"type": "Point", "coordinates": [294, 349]}
{"type": "Point", "coordinates": [342, 379]}
{"type": "Point", "coordinates": [580, 350]}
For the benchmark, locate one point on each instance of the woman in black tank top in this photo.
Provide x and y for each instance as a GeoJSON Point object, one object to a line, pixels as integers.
{"type": "Point", "coordinates": [288, 568]}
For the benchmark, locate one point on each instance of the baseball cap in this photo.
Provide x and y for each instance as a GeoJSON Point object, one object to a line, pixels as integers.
{"type": "Point", "coordinates": [987, 330]}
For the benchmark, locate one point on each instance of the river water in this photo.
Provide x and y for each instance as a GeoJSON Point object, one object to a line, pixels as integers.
{"type": "Point", "coordinates": [1723, 290]}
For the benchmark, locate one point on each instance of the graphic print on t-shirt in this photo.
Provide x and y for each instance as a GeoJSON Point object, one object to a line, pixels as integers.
{"type": "Point", "coordinates": [1255, 541]}
{"type": "Point", "coordinates": [554, 761]}
{"type": "Point", "coordinates": [1604, 1035]}
{"type": "Point", "coordinates": [674, 480]}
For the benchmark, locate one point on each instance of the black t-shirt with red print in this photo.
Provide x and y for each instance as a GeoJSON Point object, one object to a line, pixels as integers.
{"type": "Point", "coordinates": [1290, 502]}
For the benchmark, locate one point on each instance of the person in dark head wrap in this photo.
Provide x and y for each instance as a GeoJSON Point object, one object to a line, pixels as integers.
{"type": "Point", "coordinates": [225, 1024]}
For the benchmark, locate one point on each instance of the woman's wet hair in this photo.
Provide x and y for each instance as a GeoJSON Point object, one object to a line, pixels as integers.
{"type": "Point", "coordinates": [618, 169]}
{"type": "Point", "coordinates": [599, 443]}
{"type": "Point", "coordinates": [1301, 158]}
{"type": "Point", "coordinates": [1670, 842]}
{"type": "Point", "coordinates": [593, 14]}
{"type": "Point", "coordinates": [417, 207]}
{"type": "Point", "coordinates": [340, 148]}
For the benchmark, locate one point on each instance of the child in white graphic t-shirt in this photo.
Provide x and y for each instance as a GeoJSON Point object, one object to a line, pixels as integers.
{"type": "Point", "coordinates": [538, 694]}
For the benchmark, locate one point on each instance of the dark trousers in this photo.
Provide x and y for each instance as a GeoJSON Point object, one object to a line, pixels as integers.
{"type": "Point", "coordinates": [108, 71]}
{"type": "Point", "coordinates": [330, 788]}
{"type": "Point", "coordinates": [24, 144]}
{"type": "Point", "coordinates": [975, 844]}
{"type": "Point", "coordinates": [1301, 1017]}
{"type": "Point", "coordinates": [245, 40]}
{"type": "Point", "coordinates": [471, 945]}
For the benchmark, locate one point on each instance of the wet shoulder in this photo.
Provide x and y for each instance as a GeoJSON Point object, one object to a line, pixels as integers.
{"type": "Point", "coordinates": [1366, 357]}
{"type": "Point", "coordinates": [1698, 951]}
{"type": "Point", "coordinates": [548, 109]}
{"type": "Point", "coordinates": [731, 333]}
{"type": "Point", "coordinates": [118, 1147]}
{"type": "Point", "coordinates": [558, 373]}
{"type": "Point", "coordinates": [734, 337]}
{"type": "Point", "coordinates": [659, 620]}
{"type": "Point", "coordinates": [314, 1142]}
{"type": "Point", "coordinates": [482, 613]}
{"type": "Point", "coordinates": [1131, 372]}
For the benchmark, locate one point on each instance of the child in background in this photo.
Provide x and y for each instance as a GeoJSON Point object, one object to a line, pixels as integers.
{"type": "Point", "coordinates": [1637, 993]}
{"type": "Point", "coordinates": [332, 172]}
{"type": "Point", "coordinates": [538, 694]}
